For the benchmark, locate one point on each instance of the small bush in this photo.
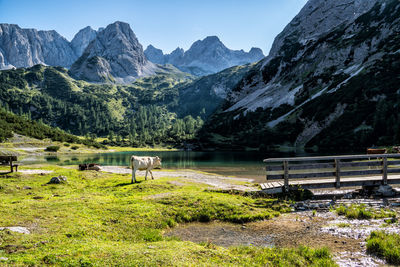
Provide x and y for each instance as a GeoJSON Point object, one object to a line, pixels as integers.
{"type": "Point", "coordinates": [385, 246]}
{"type": "Point", "coordinates": [52, 148]}
{"type": "Point", "coordinates": [74, 147]}
{"type": "Point", "coordinates": [67, 144]}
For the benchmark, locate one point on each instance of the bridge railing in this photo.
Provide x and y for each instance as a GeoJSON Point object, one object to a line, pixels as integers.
{"type": "Point", "coordinates": [332, 166]}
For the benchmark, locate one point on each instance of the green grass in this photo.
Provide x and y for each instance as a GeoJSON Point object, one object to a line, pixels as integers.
{"type": "Point", "coordinates": [362, 212]}
{"type": "Point", "coordinates": [343, 225]}
{"type": "Point", "coordinates": [385, 246]}
{"type": "Point", "coordinates": [101, 219]}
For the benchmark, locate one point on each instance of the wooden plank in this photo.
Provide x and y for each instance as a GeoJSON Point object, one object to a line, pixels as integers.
{"type": "Point", "coordinates": [311, 166]}
{"type": "Point", "coordinates": [273, 190]}
{"type": "Point", "coordinates": [262, 186]}
{"type": "Point", "coordinates": [311, 175]}
{"type": "Point", "coordinates": [359, 173]}
{"type": "Point", "coordinates": [274, 176]}
{"type": "Point", "coordinates": [328, 174]}
{"type": "Point", "coordinates": [344, 182]}
{"type": "Point", "coordinates": [361, 164]}
{"type": "Point", "coordinates": [393, 170]}
{"type": "Point", "coordinates": [324, 165]}
{"type": "Point", "coordinates": [274, 168]}
{"type": "Point", "coordinates": [333, 157]}
{"type": "Point", "coordinates": [393, 162]}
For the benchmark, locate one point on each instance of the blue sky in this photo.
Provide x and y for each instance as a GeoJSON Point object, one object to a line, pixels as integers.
{"type": "Point", "coordinates": [240, 24]}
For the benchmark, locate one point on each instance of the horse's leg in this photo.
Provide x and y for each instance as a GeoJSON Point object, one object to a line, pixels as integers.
{"type": "Point", "coordinates": [151, 174]}
{"type": "Point", "coordinates": [145, 177]}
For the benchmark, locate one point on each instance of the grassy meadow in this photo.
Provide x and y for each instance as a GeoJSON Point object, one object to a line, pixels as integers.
{"type": "Point", "coordinates": [100, 219]}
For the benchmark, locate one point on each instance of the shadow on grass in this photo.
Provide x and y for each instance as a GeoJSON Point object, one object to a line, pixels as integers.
{"type": "Point", "coordinates": [126, 184]}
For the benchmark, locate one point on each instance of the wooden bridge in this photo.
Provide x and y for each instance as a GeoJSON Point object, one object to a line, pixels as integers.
{"type": "Point", "coordinates": [331, 172]}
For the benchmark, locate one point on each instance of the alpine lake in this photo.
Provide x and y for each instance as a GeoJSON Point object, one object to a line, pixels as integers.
{"type": "Point", "coordinates": [243, 164]}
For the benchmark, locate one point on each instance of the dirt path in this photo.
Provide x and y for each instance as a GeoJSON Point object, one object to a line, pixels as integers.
{"type": "Point", "coordinates": [217, 181]}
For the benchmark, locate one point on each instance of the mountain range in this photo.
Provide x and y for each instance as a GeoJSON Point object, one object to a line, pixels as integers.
{"type": "Point", "coordinates": [330, 81]}
{"type": "Point", "coordinates": [112, 54]}
{"type": "Point", "coordinates": [204, 57]}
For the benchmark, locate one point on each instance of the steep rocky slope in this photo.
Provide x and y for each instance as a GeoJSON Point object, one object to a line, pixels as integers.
{"type": "Point", "coordinates": [114, 55]}
{"type": "Point", "coordinates": [204, 57]}
{"type": "Point", "coordinates": [328, 81]}
{"type": "Point", "coordinates": [28, 47]}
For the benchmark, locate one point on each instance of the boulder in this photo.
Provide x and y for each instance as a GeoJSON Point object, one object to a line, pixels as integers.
{"type": "Point", "coordinates": [58, 180]}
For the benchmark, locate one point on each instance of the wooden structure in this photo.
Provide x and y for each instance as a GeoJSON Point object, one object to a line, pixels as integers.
{"type": "Point", "coordinates": [8, 160]}
{"type": "Point", "coordinates": [376, 150]}
{"type": "Point", "coordinates": [331, 172]}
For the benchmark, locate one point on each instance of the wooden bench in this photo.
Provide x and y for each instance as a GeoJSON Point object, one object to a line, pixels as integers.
{"type": "Point", "coordinates": [332, 171]}
{"type": "Point", "coordinates": [8, 160]}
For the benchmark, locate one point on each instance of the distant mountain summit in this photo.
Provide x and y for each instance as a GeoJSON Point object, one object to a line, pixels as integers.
{"type": "Point", "coordinates": [204, 57]}
{"type": "Point", "coordinates": [115, 54]}
{"type": "Point", "coordinates": [82, 39]}
{"type": "Point", "coordinates": [27, 47]}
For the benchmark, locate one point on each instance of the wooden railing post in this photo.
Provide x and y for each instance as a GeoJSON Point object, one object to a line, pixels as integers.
{"type": "Point", "coordinates": [286, 175]}
{"type": "Point", "coordinates": [337, 172]}
{"type": "Point", "coordinates": [384, 170]}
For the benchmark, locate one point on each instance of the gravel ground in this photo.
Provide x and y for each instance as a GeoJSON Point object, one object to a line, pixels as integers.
{"type": "Point", "coordinates": [216, 181]}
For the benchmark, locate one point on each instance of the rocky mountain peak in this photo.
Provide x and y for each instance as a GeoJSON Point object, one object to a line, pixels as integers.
{"type": "Point", "coordinates": [27, 47]}
{"type": "Point", "coordinates": [320, 16]}
{"type": "Point", "coordinates": [117, 53]}
{"type": "Point", "coordinates": [155, 55]}
{"type": "Point", "coordinates": [208, 43]}
{"type": "Point", "coordinates": [82, 39]}
{"type": "Point", "coordinates": [256, 51]}
{"type": "Point", "coordinates": [204, 57]}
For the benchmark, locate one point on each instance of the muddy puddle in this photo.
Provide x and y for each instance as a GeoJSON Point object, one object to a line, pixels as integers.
{"type": "Point", "coordinates": [323, 229]}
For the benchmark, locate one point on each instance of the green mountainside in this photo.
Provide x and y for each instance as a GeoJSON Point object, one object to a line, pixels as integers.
{"type": "Point", "coordinates": [141, 111]}
{"type": "Point", "coordinates": [167, 108]}
{"type": "Point", "coordinates": [11, 123]}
